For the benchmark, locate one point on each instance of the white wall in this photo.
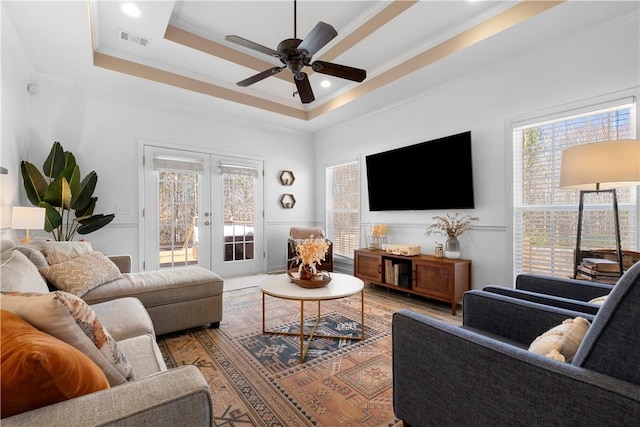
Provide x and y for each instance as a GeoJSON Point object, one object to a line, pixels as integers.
{"type": "Point", "coordinates": [604, 62]}
{"type": "Point", "coordinates": [104, 130]}
{"type": "Point", "coordinates": [13, 121]}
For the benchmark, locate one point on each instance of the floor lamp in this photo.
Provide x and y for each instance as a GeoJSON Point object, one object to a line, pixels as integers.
{"type": "Point", "coordinates": [600, 167]}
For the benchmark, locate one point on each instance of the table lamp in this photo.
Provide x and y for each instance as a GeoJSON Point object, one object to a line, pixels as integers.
{"type": "Point", "coordinates": [27, 218]}
{"type": "Point", "coordinates": [600, 167]}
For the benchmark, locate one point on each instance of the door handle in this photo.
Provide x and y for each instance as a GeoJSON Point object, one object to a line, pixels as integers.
{"type": "Point", "coordinates": [206, 223]}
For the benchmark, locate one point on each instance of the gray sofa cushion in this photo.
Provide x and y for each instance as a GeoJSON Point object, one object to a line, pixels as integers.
{"type": "Point", "coordinates": [124, 318]}
{"type": "Point", "coordinates": [156, 288]}
{"type": "Point", "coordinates": [17, 273]}
{"type": "Point", "coordinates": [143, 355]}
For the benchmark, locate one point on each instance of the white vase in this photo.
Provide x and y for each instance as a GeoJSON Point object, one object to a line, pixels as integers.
{"type": "Point", "coordinates": [452, 248]}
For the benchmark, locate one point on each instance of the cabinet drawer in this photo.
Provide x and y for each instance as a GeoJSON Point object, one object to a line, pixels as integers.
{"type": "Point", "coordinates": [433, 279]}
{"type": "Point", "coordinates": [368, 267]}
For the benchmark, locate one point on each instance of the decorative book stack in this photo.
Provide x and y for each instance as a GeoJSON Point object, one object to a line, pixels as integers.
{"type": "Point", "coordinates": [599, 270]}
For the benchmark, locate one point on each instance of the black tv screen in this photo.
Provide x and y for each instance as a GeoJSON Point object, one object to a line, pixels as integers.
{"type": "Point", "coordinates": [431, 175]}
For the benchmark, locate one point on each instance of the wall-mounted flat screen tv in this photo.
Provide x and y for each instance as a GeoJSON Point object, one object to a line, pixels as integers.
{"type": "Point", "coordinates": [432, 175]}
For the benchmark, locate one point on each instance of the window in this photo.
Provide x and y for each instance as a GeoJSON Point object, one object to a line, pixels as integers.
{"type": "Point", "coordinates": [343, 207]}
{"type": "Point", "coordinates": [238, 210]}
{"type": "Point", "coordinates": [545, 217]}
{"type": "Point", "coordinates": [178, 181]}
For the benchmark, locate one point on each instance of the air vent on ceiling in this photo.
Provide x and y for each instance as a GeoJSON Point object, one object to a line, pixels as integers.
{"type": "Point", "coordinates": [133, 38]}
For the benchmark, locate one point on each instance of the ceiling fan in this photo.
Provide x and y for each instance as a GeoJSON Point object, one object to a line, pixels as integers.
{"type": "Point", "coordinates": [296, 54]}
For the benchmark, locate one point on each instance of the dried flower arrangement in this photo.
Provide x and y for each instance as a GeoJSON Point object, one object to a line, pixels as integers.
{"type": "Point", "coordinates": [377, 230]}
{"type": "Point", "coordinates": [451, 226]}
{"type": "Point", "coordinates": [311, 252]}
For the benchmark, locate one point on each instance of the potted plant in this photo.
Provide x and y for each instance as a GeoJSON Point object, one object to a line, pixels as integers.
{"type": "Point", "coordinates": [69, 202]}
{"type": "Point", "coordinates": [451, 226]}
{"type": "Point", "coordinates": [309, 253]}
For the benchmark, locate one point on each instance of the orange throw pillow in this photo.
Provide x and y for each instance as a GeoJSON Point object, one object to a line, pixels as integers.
{"type": "Point", "coordinates": [39, 369]}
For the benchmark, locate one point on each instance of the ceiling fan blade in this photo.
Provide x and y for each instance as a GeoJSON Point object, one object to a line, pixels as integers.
{"type": "Point", "coordinates": [304, 88]}
{"type": "Point", "coordinates": [260, 76]}
{"type": "Point", "coordinates": [318, 37]}
{"type": "Point", "coordinates": [337, 70]}
{"type": "Point", "coordinates": [252, 45]}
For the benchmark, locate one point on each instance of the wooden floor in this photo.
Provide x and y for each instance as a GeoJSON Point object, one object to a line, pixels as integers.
{"type": "Point", "coordinates": [432, 308]}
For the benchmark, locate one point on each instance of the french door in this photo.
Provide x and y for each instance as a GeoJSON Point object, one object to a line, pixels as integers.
{"type": "Point", "coordinates": [202, 209]}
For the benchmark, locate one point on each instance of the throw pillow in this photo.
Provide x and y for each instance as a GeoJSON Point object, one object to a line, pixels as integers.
{"type": "Point", "coordinates": [561, 342]}
{"type": "Point", "coordinates": [57, 252]}
{"type": "Point", "coordinates": [599, 300]}
{"type": "Point", "coordinates": [73, 321]}
{"type": "Point", "coordinates": [39, 370]}
{"type": "Point", "coordinates": [17, 273]}
{"type": "Point", "coordinates": [34, 254]}
{"type": "Point", "coordinates": [81, 274]}
{"type": "Point", "coordinates": [6, 245]}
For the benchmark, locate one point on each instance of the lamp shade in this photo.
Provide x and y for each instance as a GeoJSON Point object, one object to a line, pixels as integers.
{"type": "Point", "coordinates": [27, 218]}
{"type": "Point", "coordinates": [601, 165]}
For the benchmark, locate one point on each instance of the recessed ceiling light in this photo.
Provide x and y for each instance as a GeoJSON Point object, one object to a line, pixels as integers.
{"type": "Point", "coordinates": [325, 83]}
{"type": "Point", "coordinates": [131, 9]}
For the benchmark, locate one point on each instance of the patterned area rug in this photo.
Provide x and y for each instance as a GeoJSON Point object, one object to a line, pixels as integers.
{"type": "Point", "coordinates": [257, 379]}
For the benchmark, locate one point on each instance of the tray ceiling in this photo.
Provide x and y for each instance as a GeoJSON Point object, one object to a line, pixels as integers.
{"type": "Point", "coordinates": [406, 47]}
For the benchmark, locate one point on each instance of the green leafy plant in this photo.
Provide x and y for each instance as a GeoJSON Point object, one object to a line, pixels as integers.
{"type": "Point", "coordinates": [60, 191]}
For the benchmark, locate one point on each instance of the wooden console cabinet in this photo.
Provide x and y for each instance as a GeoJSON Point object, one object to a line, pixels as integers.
{"type": "Point", "coordinates": [442, 279]}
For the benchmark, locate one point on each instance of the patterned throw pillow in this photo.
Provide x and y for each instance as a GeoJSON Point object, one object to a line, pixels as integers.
{"type": "Point", "coordinates": [39, 370]}
{"type": "Point", "coordinates": [73, 321]}
{"type": "Point", "coordinates": [57, 252]}
{"type": "Point", "coordinates": [81, 274]}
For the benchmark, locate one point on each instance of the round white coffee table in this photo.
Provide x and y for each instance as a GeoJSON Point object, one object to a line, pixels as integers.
{"type": "Point", "coordinates": [341, 286]}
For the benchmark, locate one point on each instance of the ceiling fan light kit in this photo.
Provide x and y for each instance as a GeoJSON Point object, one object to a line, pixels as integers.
{"type": "Point", "coordinates": [295, 54]}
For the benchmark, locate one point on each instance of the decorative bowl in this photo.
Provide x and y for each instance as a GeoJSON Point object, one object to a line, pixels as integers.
{"type": "Point", "coordinates": [321, 280]}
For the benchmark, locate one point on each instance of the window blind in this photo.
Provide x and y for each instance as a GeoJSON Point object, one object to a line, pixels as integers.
{"type": "Point", "coordinates": [175, 164]}
{"type": "Point", "coordinates": [227, 169]}
{"type": "Point", "coordinates": [343, 207]}
{"type": "Point", "coordinates": [544, 216]}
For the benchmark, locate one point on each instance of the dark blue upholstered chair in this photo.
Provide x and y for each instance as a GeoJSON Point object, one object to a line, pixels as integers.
{"type": "Point", "coordinates": [481, 373]}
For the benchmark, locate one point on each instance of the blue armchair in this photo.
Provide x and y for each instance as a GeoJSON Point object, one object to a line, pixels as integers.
{"type": "Point", "coordinates": [571, 294]}
{"type": "Point", "coordinates": [482, 373]}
